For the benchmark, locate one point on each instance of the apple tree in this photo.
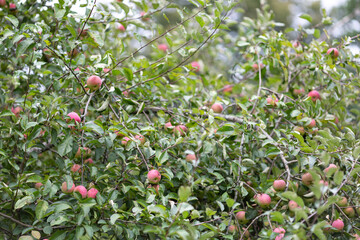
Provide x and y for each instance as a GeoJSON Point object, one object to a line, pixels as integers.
{"type": "Point", "coordinates": [175, 120]}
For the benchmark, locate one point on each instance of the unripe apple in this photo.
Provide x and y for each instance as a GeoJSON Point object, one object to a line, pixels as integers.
{"type": "Point", "coordinates": [350, 212]}
{"type": "Point", "coordinates": [281, 232]}
{"type": "Point", "coordinates": [154, 176]}
{"type": "Point", "coordinates": [217, 108]}
{"type": "Point", "coordinates": [279, 185]}
{"type": "Point", "coordinates": [232, 229]}
{"type": "Point", "coordinates": [180, 130]}
{"type": "Point", "coordinates": [125, 141]}
{"type": "Point", "coordinates": [121, 28]}
{"type": "Point", "coordinates": [141, 138]}
{"type": "Point", "coordinates": [240, 216]}
{"type": "Point", "coordinates": [315, 95]}
{"type": "Point", "coordinates": [94, 82]}
{"type": "Point", "coordinates": [163, 47]}
{"type": "Point", "coordinates": [2, 3]}
{"type": "Point", "coordinates": [16, 111]}
{"type": "Point", "coordinates": [338, 224]}
{"type": "Point", "coordinates": [167, 126]}
{"type": "Point", "coordinates": [293, 205]}
{"type": "Point", "coordinates": [76, 168]}
{"type": "Point", "coordinates": [64, 188]}
{"type": "Point", "coordinates": [264, 200]}
{"type": "Point", "coordinates": [86, 152]}
{"type": "Point", "coordinates": [312, 123]}
{"type": "Point", "coordinates": [145, 19]}
{"type": "Point", "coordinates": [195, 66]}
{"type": "Point", "coordinates": [299, 129]}
{"type": "Point", "coordinates": [331, 166]}
{"type": "Point", "coordinates": [89, 161]}
{"type": "Point", "coordinates": [92, 193]}
{"type": "Point", "coordinates": [272, 101]}
{"type": "Point", "coordinates": [333, 52]}
{"type": "Point", "coordinates": [38, 185]}
{"type": "Point", "coordinates": [82, 190]}
{"type": "Point", "coordinates": [299, 91]}
{"type": "Point", "coordinates": [342, 202]}
{"type": "Point", "coordinates": [74, 116]}
{"type": "Point", "coordinates": [190, 157]}
{"type": "Point", "coordinates": [12, 6]}
{"type": "Point", "coordinates": [227, 89]}
{"type": "Point", "coordinates": [307, 179]}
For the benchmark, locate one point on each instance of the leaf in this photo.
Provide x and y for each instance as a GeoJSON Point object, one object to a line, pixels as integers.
{"type": "Point", "coordinates": [184, 193]}
{"type": "Point", "coordinates": [36, 234]}
{"type": "Point", "coordinates": [306, 17]}
{"type": "Point", "coordinates": [23, 46]}
{"type": "Point", "coordinates": [97, 38]}
{"type": "Point", "coordinates": [23, 201]}
{"type": "Point", "coordinates": [66, 146]}
{"type": "Point", "coordinates": [41, 208]}
{"type": "Point", "coordinates": [185, 207]}
{"type": "Point", "coordinates": [13, 20]}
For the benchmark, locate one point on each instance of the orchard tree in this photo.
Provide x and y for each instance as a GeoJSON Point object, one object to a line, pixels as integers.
{"type": "Point", "coordinates": [174, 120]}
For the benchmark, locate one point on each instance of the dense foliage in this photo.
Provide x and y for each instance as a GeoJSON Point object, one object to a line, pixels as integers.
{"type": "Point", "coordinates": [183, 120]}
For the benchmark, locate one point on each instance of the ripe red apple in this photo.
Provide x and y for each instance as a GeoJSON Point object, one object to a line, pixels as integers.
{"type": "Point", "coordinates": [163, 47]}
{"type": "Point", "coordinates": [342, 202]}
{"type": "Point", "coordinates": [76, 168]}
{"type": "Point", "coordinates": [338, 224]}
{"type": "Point", "coordinates": [279, 185]}
{"type": "Point", "coordinates": [217, 108]}
{"type": "Point", "coordinates": [16, 111]}
{"type": "Point", "coordinates": [2, 3]}
{"type": "Point", "coordinates": [38, 185]}
{"type": "Point", "coordinates": [312, 123]}
{"type": "Point", "coordinates": [240, 216]}
{"type": "Point", "coordinates": [333, 52]}
{"type": "Point", "coordinates": [167, 126]}
{"type": "Point", "coordinates": [191, 157]}
{"type": "Point", "coordinates": [94, 82]}
{"type": "Point", "coordinates": [89, 161]}
{"type": "Point", "coordinates": [74, 116]}
{"type": "Point", "coordinates": [106, 70]}
{"type": "Point", "coordinates": [307, 179]}
{"type": "Point", "coordinates": [125, 141]}
{"type": "Point", "coordinates": [281, 232]}
{"type": "Point", "coordinates": [232, 229]}
{"type": "Point", "coordinates": [82, 190]}
{"type": "Point", "coordinates": [315, 95]}
{"type": "Point", "coordinates": [299, 91]}
{"type": "Point", "coordinates": [263, 200]}
{"type": "Point", "coordinates": [293, 205]}
{"type": "Point", "coordinates": [92, 193]}
{"type": "Point", "coordinates": [121, 28]}
{"type": "Point", "coordinates": [180, 130]}
{"type": "Point", "coordinates": [255, 66]}
{"type": "Point", "coordinates": [86, 152]}
{"type": "Point", "coordinates": [227, 89]}
{"type": "Point", "coordinates": [195, 66]}
{"type": "Point", "coordinates": [324, 183]}
{"type": "Point", "coordinates": [272, 101]}
{"type": "Point", "coordinates": [12, 6]}
{"type": "Point", "coordinates": [350, 212]}
{"type": "Point", "coordinates": [299, 129]}
{"type": "Point", "coordinates": [64, 188]}
{"type": "Point", "coordinates": [154, 176]}
{"type": "Point", "coordinates": [145, 19]}
{"type": "Point", "coordinates": [141, 138]}
{"type": "Point", "coordinates": [331, 166]}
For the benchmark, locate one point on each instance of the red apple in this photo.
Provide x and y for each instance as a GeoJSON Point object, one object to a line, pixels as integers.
{"type": "Point", "coordinates": [191, 157]}
{"type": "Point", "coordinates": [296, 44]}
{"type": "Point", "coordinates": [232, 229]}
{"type": "Point", "coordinates": [299, 91]}
{"type": "Point", "coordinates": [143, 14]}
{"type": "Point", "coordinates": [82, 190]}
{"type": "Point", "coordinates": [263, 200]}
{"type": "Point", "coordinates": [76, 168]}
{"type": "Point", "coordinates": [38, 185]}
{"type": "Point", "coordinates": [125, 141]}
{"type": "Point", "coordinates": [333, 52]}
{"type": "Point", "coordinates": [74, 116]}
{"type": "Point", "coordinates": [163, 47]}
{"type": "Point", "coordinates": [281, 232]}
{"type": "Point", "coordinates": [293, 205]}
{"type": "Point", "coordinates": [2, 3]}
{"type": "Point", "coordinates": [217, 108]}
{"type": "Point", "coordinates": [279, 185]}
{"type": "Point", "coordinates": [255, 66]}
{"type": "Point", "coordinates": [324, 183]}
{"type": "Point", "coordinates": [94, 82]}
{"type": "Point", "coordinates": [299, 129]}
{"type": "Point", "coordinates": [240, 216]}
{"type": "Point", "coordinates": [195, 66]}
{"type": "Point", "coordinates": [312, 123]}
{"type": "Point", "coordinates": [141, 138]}
{"type": "Point", "coordinates": [343, 202]}
{"type": "Point", "coordinates": [350, 212]}
{"type": "Point", "coordinates": [92, 193]}
{"type": "Point", "coordinates": [121, 28]}
{"type": "Point", "coordinates": [86, 152]}
{"type": "Point", "coordinates": [315, 95]}
{"type": "Point", "coordinates": [338, 224]}
{"type": "Point", "coordinates": [154, 176]}
{"type": "Point", "coordinates": [65, 189]}
{"type": "Point", "coordinates": [180, 130]}
{"type": "Point", "coordinates": [272, 101]}
{"type": "Point", "coordinates": [227, 89]}
{"type": "Point", "coordinates": [106, 70]}
{"type": "Point", "coordinates": [167, 126]}
{"type": "Point", "coordinates": [307, 179]}
{"type": "Point", "coordinates": [89, 161]}
{"type": "Point", "coordinates": [12, 6]}
{"type": "Point", "coordinates": [331, 166]}
{"type": "Point", "coordinates": [16, 111]}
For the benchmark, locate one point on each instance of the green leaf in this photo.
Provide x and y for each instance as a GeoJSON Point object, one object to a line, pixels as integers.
{"type": "Point", "coordinates": [184, 193]}
{"type": "Point", "coordinates": [339, 175]}
{"type": "Point", "coordinates": [66, 146]}
{"type": "Point", "coordinates": [41, 208]}
{"type": "Point", "coordinates": [23, 46]}
{"type": "Point", "coordinates": [185, 207]}
{"type": "Point", "coordinates": [306, 17]}
{"type": "Point", "coordinates": [13, 20]}
{"type": "Point", "coordinates": [23, 201]}
{"type": "Point", "coordinates": [97, 38]}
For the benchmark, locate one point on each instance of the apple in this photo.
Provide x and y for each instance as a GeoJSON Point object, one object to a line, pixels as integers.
{"type": "Point", "coordinates": [74, 116]}
{"type": "Point", "coordinates": [293, 205]}
{"type": "Point", "coordinates": [121, 28]}
{"type": "Point", "coordinates": [279, 185]}
{"type": "Point", "coordinates": [240, 216]}
{"type": "Point", "coordinates": [338, 224]}
{"type": "Point", "coordinates": [106, 70]}
{"type": "Point", "coordinates": [94, 82]}
{"type": "Point", "coordinates": [255, 66]}
{"type": "Point", "coordinates": [76, 168]}
{"type": "Point", "coordinates": [154, 176]}
{"type": "Point", "coordinates": [163, 47]}
{"type": "Point", "coordinates": [299, 91]}
{"type": "Point", "coordinates": [92, 193]}
{"type": "Point", "coordinates": [217, 108]}
{"type": "Point", "coordinates": [38, 185]}
{"type": "Point", "coordinates": [65, 189]}
{"type": "Point", "coordinates": [343, 202]}
{"type": "Point", "coordinates": [16, 111]}
{"type": "Point", "coordinates": [232, 229]}
{"type": "Point", "coordinates": [263, 200]}
{"type": "Point", "coordinates": [141, 138]}
{"type": "Point", "coordinates": [281, 232]}
{"type": "Point", "coordinates": [143, 14]}
{"type": "Point", "coordinates": [74, 52]}
{"type": "Point", "coordinates": [82, 190]}
{"type": "Point", "coordinates": [333, 52]}
{"type": "Point", "coordinates": [350, 212]}
{"type": "Point", "coordinates": [125, 141]}
{"type": "Point", "coordinates": [331, 166]}
{"type": "Point", "coordinates": [2, 3]}
{"type": "Point", "coordinates": [296, 44]}
{"type": "Point", "coordinates": [299, 129]}
{"type": "Point", "coordinates": [227, 89]}
{"type": "Point", "coordinates": [312, 123]}
{"type": "Point", "coordinates": [118, 134]}
{"type": "Point", "coordinates": [324, 183]}
{"type": "Point", "coordinates": [307, 179]}
{"type": "Point", "coordinates": [12, 6]}
{"type": "Point", "coordinates": [180, 130]}
{"type": "Point", "coordinates": [89, 161]}
{"type": "Point", "coordinates": [191, 157]}
{"type": "Point", "coordinates": [195, 66]}
{"type": "Point", "coordinates": [86, 152]}
{"type": "Point", "coordinates": [336, 120]}
{"type": "Point", "coordinates": [272, 101]}
{"type": "Point", "coordinates": [315, 95]}
{"type": "Point", "coordinates": [167, 126]}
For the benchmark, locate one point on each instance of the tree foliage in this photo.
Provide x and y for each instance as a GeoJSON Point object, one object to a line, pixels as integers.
{"type": "Point", "coordinates": [163, 65]}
